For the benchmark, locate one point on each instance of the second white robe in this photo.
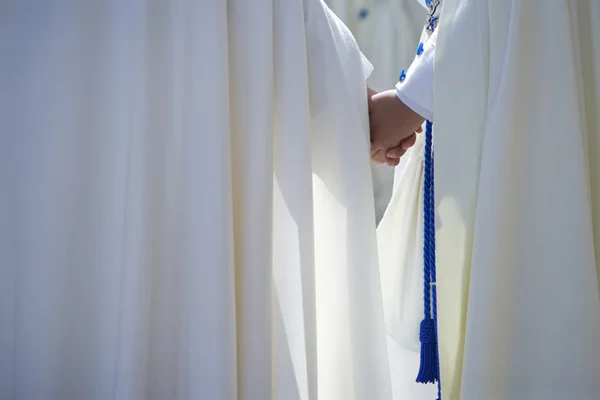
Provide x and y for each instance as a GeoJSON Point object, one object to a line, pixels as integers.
{"type": "Point", "coordinates": [517, 138]}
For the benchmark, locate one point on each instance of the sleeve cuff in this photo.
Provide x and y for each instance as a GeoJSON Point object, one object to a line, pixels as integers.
{"type": "Point", "coordinates": [416, 107]}
{"type": "Point", "coordinates": [416, 88]}
{"type": "Point", "coordinates": [367, 66]}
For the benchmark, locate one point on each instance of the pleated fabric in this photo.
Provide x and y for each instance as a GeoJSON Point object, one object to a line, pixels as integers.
{"type": "Point", "coordinates": [186, 204]}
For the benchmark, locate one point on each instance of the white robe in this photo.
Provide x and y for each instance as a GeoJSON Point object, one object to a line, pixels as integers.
{"type": "Point", "coordinates": [517, 135]}
{"type": "Point", "coordinates": [518, 187]}
{"type": "Point", "coordinates": [186, 204]}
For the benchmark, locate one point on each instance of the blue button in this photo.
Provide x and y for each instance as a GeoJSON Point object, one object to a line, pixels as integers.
{"type": "Point", "coordinates": [420, 49]}
{"type": "Point", "coordinates": [402, 76]}
{"type": "Point", "coordinates": [363, 13]}
{"type": "Point", "coordinates": [433, 22]}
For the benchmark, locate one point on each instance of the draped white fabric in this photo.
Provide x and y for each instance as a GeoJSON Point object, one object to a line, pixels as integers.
{"type": "Point", "coordinates": [400, 241]}
{"type": "Point", "coordinates": [389, 36]}
{"type": "Point", "coordinates": [186, 204]}
{"type": "Point", "coordinates": [387, 32]}
{"type": "Point", "coordinates": [517, 136]}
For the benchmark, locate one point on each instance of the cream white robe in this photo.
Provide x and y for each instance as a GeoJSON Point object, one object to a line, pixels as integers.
{"type": "Point", "coordinates": [517, 129]}
{"type": "Point", "coordinates": [517, 114]}
{"type": "Point", "coordinates": [185, 204]}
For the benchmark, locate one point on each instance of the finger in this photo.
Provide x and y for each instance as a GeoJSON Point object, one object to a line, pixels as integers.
{"type": "Point", "coordinates": [379, 157]}
{"type": "Point", "coordinates": [374, 151]}
{"type": "Point", "coordinates": [377, 146]}
{"type": "Point", "coordinates": [395, 152]}
{"type": "Point", "coordinates": [409, 142]}
{"type": "Point", "coordinates": [379, 160]}
{"type": "Point", "coordinates": [392, 162]}
{"type": "Point", "coordinates": [419, 130]}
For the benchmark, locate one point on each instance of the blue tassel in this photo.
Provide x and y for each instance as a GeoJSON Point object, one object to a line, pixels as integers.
{"type": "Point", "coordinates": [428, 370]}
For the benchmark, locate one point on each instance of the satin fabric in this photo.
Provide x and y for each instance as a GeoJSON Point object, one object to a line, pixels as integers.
{"type": "Point", "coordinates": [516, 99]}
{"type": "Point", "coordinates": [186, 204]}
{"type": "Point", "coordinates": [517, 95]}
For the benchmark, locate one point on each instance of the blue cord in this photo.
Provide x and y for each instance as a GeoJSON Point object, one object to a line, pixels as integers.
{"type": "Point", "coordinates": [429, 370]}
{"type": "Point", "coordinates": [429, 366]}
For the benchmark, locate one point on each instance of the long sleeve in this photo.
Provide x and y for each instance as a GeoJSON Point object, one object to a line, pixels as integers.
{"type": "Point", "coordinates": [415, 88]}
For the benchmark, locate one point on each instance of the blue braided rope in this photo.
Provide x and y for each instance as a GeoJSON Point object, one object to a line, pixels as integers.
{"type": "Point", "coordinates": [429, 370]}
{"type": "Point", "coordinates": [429, 166]}
{"type": "Point", "coordinates": [428, 224]}
{"type": "Point", "coordinates": [426, 250]}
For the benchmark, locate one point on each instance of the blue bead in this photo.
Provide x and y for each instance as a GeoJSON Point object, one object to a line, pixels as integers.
{"type": "Point", "coordinates": [427, 2]}
{"type": "Point", "coordinates": [402, 76]}
{"type": "Point", "coordinates": [420, 49]}
{"type": "Point", "coordinates": [363, 13]}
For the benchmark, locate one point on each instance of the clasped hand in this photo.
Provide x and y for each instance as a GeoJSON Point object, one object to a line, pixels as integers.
{"type": "Point", "coordinates": [393, 127]}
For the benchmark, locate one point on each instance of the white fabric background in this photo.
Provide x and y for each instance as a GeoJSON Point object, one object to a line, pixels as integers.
{"type": "Point", "coordinates": [162, 235]}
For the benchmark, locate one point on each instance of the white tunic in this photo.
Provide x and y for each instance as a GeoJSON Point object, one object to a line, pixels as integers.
{"type": "Point", "coordinates": [185, 204]}
{"type": "Point", "coordinates": [516, 100]}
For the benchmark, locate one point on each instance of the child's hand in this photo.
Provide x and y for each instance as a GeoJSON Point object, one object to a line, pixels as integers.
{"type": "Point", "coordinates": [393, 125]}
{"type": "Point", "coordinates": [393, 155]}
